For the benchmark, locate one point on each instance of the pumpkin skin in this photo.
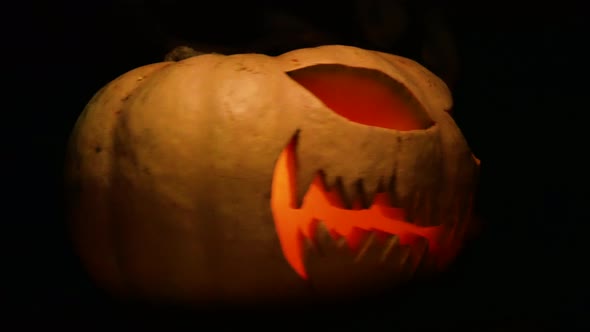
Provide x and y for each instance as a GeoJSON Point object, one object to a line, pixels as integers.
{"type": "Point", "coordinates": [174, 194]}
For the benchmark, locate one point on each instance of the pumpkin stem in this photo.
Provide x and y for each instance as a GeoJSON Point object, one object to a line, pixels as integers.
{"type": "Point", "coordinates": [182, 52]}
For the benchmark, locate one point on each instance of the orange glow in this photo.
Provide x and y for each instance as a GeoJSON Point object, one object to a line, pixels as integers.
{"type": "Point", "coordinates": [293, 223]}
{"type": "Point", "coordinates": [359, 98]}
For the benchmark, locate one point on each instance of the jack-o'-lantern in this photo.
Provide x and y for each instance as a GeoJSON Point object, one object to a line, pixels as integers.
{"type": "Point", "coordinates": [322, 172]}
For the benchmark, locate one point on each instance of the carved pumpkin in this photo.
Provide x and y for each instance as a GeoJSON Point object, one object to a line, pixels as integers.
{"type": "Point", "coordinates": [319, 173]}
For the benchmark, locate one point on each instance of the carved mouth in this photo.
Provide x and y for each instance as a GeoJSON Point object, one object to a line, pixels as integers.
{"type": "Point", "coordinates": [353, 222]}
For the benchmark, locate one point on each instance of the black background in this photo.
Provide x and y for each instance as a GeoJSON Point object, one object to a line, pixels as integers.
{"type": "Point", "coordinates": [520, 100]}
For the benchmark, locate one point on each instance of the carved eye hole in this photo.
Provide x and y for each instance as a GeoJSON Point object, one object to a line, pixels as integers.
{"type": "Point", "coordinates": [364, 96]}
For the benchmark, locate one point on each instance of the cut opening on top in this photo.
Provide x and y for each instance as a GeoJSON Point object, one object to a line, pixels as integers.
{"type": "Point", "coordinates": [364, 96]}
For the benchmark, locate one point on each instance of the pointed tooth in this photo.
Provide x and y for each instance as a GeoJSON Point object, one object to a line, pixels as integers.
{"type": "Point", "coordinates": [342, 193]}
{"type": "Point", "coordinates": [323, 239]}
{"type": "Point", "coordinates": [394, 197]}
{"type": "Point", "coordinates": [356, 238]}
{"type": "Point", "coordinates": [404, 264]}
{"type": "Point", "coordinates": [322, 233]}
{"type": "Point", "coordinates": [394, 254]}
{"type": "Point", "coordinates": [404, 255]}
{"type": "Point", "coordinates": [304, 179]}
{"type": "Point", "coordinates": [330, 181]}
{"type": "Point", "coordinates": [369, 188]}
{"type": "Point", "coordinates": [398, 260]}
{"type": "Point", "coordinates": [390, 245]}
{"type": "Point", "coordinates": [375, 183]}
{"type": "Point", "coordinates": [341, 242]}
{"type": "Point", "coordinates": [364, 250]}
{"type": "Point", "coordinates": [301, 190]}
{"type": "Point", "coordinates": [348, 192]}
{"type": "Point", "coordinates": [308, 245]}
{"type": "Point", "coordinates": [361, 200]}
{"type": "Point", "coordinates": [351, 196]}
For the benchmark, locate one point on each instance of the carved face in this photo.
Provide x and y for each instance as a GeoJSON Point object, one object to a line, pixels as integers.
{"type": "Point", "coordinates": [311, 173]}
{"type": "Point", "coordinates": [351, 192]}
{"type": "Point", "coordinates": [354, 195]}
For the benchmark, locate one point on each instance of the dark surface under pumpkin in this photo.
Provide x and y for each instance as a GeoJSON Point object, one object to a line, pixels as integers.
{"type": "Point", "coordinates": [189, 216]}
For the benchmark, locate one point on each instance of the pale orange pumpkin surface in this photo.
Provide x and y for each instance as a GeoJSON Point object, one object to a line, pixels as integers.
{"type": "Point", "coordinates": [319, 173]}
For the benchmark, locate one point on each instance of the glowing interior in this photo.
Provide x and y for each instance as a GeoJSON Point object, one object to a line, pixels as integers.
{"type": "Point", "coordinates": [359, 97]}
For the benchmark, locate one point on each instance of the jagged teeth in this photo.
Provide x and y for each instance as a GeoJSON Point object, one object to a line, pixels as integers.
{"type": "Point", "coordinates": [355, 188]}
{"type": "Point", "coordinates": [381, 250]}
{"type": "Point", "coordinates": [371, 247]}
{"type": "Point", "coordinates": [325, 253]}
{"type": "Point", "coordinates": [352, 193]}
